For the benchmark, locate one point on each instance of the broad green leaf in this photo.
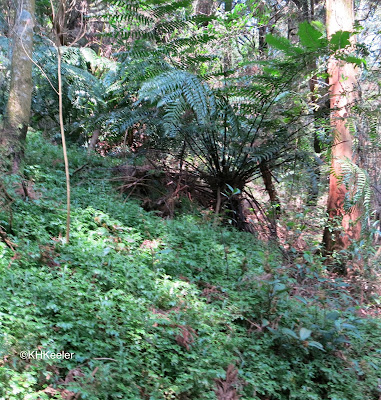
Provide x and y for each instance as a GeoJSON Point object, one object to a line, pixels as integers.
{"type": "Point", "coordinates": [337, 324]}
{"type": "Point", "coordinates": [310, 37]}
{"type": "Point", "coordinates": [348, 326]}
{"type": "Point", "coordinates": [265, 322]}
{"type": "Point", "coordinates": [283, 44]}
{"type": "Point", "coordinates": [289, 332]}
{"type": "Point", "coordinates": [340, 40]}
{"type": "Point", "coordinates": [302, 299]}
{"type": "Point", "coordinates": [334, 315]}
{"type": "Point", "coordinates": [316, 344]}
{"type": "Point", "coordinates": [280, 287]}
{"type": "Point", "coordinates": [304, 333]}
{"type": "Point", "coordinates": [353, 60]}
{"type": "Point", "coordinates": [318, 25]}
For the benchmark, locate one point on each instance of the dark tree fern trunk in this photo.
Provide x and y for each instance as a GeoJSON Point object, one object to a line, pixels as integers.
{"type": "Point", "coordinates": [270, 189]}
{"type": "Point", "coordinates": [13, 134]}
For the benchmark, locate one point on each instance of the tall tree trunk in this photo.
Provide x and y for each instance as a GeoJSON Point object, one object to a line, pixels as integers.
{"type": "Point", "coordinates": [228, 5]}
{"type": "Point", "coordinates": [204, 7]}
{"type": "Point", "coordinates": [340, 16]}
{"type": "Point", "coordinates": [262, 30]}
{"type": "Point", "coordinates": [12, 137]}
{"type": "Point", "coordinates": [264, 166]}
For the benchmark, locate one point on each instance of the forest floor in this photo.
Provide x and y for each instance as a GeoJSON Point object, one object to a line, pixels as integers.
{"type": "Point", "coordinates": [153, 308]}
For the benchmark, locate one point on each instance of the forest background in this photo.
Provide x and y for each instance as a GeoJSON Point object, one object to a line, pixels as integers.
{"type": "Point", "coordinates": [190, 199]}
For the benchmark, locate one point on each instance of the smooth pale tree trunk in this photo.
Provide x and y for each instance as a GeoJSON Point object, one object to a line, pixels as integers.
{"type": "Point", "coordinates": [93, 141]}
{"type": "Point", "coordinates": [340, 17]}
{"type": "Point", "coordinates": [13, 135]}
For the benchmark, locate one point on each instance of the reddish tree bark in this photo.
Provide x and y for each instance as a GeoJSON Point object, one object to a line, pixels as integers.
{"type": "Point", "coordinates": [340, 17]}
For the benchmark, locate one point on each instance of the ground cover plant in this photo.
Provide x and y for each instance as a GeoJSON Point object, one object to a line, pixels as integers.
{"type": "Point", "coordinates": [161, 309]}
{"type": "Point", "coordinates": [190, 199]}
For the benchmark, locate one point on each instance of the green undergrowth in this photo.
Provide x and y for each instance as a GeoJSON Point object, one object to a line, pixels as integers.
{"type": "Point", "coordinates": [159, 309]}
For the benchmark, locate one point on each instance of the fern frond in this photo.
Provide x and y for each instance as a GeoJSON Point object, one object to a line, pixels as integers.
{"type": "Point", "coordinates": [173, 84]}
{"type": "Point", "coordinates": [356, 181]}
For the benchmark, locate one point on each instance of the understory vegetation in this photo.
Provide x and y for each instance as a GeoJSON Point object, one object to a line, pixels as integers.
{"type": "Point", "coordinates": [164, 309]}
{"type": "Point", "coordinates": [190, 200]}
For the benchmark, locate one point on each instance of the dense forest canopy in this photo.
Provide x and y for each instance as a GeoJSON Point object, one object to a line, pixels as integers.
{"type": "Point", "coordinates": [190, 199]}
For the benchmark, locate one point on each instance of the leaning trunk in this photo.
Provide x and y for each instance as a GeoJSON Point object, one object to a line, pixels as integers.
{"type": "Point", "coordinates": [93, 141]}
{"type": "Point", "coordinates": [12, 137]}
{"type": "Point", "coordinates": [270, 189]}
{"type": "Point", "coordinates": [340, 16]}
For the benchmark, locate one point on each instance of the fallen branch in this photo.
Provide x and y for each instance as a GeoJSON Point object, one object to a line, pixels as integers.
{"type": "Point", "coordinates": [79, 169]}
{"type": "Point", "coordinates": [6, 194]}
{"type": "Point", "coordinates": [4, 238]}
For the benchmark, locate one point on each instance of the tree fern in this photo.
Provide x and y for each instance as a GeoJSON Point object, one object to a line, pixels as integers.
{"type": "Point", "coordinates": [356, 181]}
{"type": "Point", "coordinates": [220, 131]}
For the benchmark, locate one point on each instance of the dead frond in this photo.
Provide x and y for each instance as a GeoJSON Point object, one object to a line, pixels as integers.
{"type": "Point", "coordinates": [227, 388]}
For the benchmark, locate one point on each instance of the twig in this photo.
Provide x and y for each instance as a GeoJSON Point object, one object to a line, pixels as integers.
{"type": "Point", "coordinates": [4, 238]}
{"type": "Point", "coordinates": [79, 169]}
{"type": "Point", "coordinates": [6, 194]}
{"type": "Point", "coordinates": [59, 19]}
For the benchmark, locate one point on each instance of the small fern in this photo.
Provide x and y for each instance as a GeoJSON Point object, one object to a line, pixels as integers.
{"type": "Point", "coordinates": [356, 181]}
